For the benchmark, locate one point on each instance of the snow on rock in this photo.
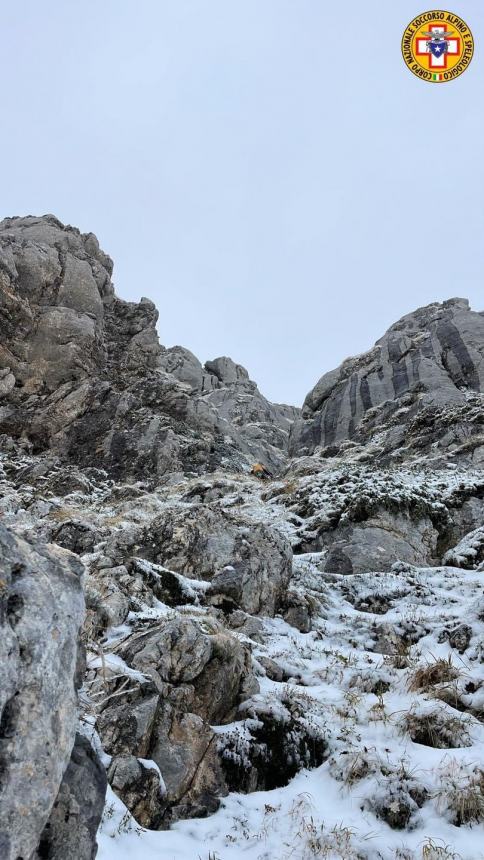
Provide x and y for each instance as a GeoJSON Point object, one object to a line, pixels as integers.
{"type": "Point", "coordinates": [401, 740]}
{"type": "Point", "coordinates": [340, 735]}
{"type": "Point", "coordinates": [469, 552]}
{"type": "Point", "coordinates": [288, 668]}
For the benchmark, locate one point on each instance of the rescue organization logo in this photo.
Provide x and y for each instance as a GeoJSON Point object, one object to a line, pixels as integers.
{"type": "Point", "coordinates": [437, 46]}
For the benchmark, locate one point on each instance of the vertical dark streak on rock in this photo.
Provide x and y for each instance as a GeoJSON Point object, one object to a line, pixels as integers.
{"type": "Point", "coordinates": [331, 415]}
{"type": "Point", "coordinates": [353, 384]}
{"type": "Point", "coordinates": [451, 341]}
{"type": "Point", "coordinates": [399, 368]}
{"type": "Point", "coordinates": [365, 394]}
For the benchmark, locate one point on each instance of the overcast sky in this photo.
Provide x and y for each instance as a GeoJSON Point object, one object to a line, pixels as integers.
{"type": "Point", "coordinates": [268, 172]}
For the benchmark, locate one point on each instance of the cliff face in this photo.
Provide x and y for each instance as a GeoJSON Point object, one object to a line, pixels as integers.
{"type": "Point", "coordinates": [214, 632]}
{"type": "Point", "coordinates": [430, 360]}
{"type": "Point", "coordinates": [83, 373]}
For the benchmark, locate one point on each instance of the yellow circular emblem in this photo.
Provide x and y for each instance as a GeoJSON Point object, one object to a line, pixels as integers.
{"type": "Point", "coordinates": [437, 46]}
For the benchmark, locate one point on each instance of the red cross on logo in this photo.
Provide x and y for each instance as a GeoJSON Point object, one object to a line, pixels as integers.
{"type": "Point", "coordinates": [438, 60]}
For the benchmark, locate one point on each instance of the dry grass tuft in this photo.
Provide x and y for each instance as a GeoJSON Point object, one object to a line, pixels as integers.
{"type": "Point", "coordinates": [437, 729]}
{"type": "Point", "coordinates": [461, 795]}
{"type": "Point", "coordinates": [402, 656]}
{"type": "Point", "coordinates": [451, 695]}
{"type": "Point", "coordinates": [61, 515]}
{"type": "Point", "coordinates": [353, 766]}
{"type": "Point", "coordinates": [432, 851]}
{"type": "Point", "coordinates": [439, 672]}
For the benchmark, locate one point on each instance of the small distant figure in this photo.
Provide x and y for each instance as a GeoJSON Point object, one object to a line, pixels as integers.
{"type": "Point", "coordinates": [260, 471]}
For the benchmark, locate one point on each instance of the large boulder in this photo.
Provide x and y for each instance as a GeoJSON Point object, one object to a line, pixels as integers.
{"type": "Point", "coordinates": [187, 674]}
{"type": "Point", "coordinates": [182, 745]}
{"type": "Point", "coordinates": [378, 542]}
{"type": "Point", "coordinates": [42, 608]}
{"type": "Point", "coordinates": [202, 655]}
{"type": "Point", "coordinates": [185, 749]}
{"type": "Point", "coordinates": [249, 564]}
{"type": "Point", "coordinates": [75, 817]}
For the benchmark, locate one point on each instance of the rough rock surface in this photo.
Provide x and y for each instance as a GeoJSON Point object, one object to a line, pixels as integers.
{"type": "Point", "coordinates": [237, 632]}
{"type": "Point", "coordinates": [227, 388]}
{"type": "Point", "coordinates": [74, 819]}
{"type": "Point", "coordinates": [139, 787]}
{"type": "Point", "coordinates": [189, 676]}
{"type": "Point", "coordinates": [42, 608]}
{"type": "Point", "coordinates": [248, 564]}
{"type": "Point", "coordinates": [428, 361]}
{"type": "Point", "coordinates": [83, 373]}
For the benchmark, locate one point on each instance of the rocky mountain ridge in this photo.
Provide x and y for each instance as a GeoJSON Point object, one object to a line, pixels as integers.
{"type": "Point", "coordinates": [77, 362]}
{"type": "Point", "coordinates": [238, 636]}
{"type": "Point", "coordinates": [430, 361]}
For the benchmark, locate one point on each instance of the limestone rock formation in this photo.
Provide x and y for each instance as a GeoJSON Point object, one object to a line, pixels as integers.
{"type": "Point", "coordinates": [429, 363]}
{"type": "Point", "coordinates": [248, 564]}
{"type": "Point", "coordinates": [42, 610]}
{"type": "Point", "coordinates": [236, 631]}
{"type": "Point", "coordinates": [188, 676]}
{"type": "Point", "coordinates": [139, 787]}
{"type": "Point", "coordinates": [83, 373]}
{"type": "Point", "coordinates": [73, 822]}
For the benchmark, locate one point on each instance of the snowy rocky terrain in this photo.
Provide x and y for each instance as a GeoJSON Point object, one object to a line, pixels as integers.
{"type": "Point", "coordinates": [195, 663]}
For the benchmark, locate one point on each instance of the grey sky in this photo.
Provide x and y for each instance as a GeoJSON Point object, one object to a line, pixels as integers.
{"type": "Point", "coordinates": [267, 171]}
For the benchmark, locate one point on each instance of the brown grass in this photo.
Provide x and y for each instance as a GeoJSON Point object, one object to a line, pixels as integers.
{"type": "Point", "coordinates": [402, 656]}
{"type": "Point", "coordinates": [439, 672]}
{"type": "Point", "coordinates": [60, 515]}
{"type": "Point", "coordinates": [432, 851]}
{"type": "Point", "coordinates": [462, 795]}
{"type": "Point", "coordinates": [437, 729]}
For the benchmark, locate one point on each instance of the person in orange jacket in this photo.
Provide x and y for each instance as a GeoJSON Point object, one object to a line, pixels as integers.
{"type": "Point", "coordinates": [260, 471]}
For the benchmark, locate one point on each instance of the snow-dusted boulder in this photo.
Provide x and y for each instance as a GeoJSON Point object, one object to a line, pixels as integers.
{"type": "Point", "coordinates": [40, 670]}
{"type": "Point", "coordinates": [187, 674]}
{"type": "Point", "coordinates": [248, 564]}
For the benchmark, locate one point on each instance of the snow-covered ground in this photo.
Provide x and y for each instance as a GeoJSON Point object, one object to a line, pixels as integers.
{"type": "Point", "coordinates": [391, 675]}
{"type": "Point", "coordinates": [371, 705]}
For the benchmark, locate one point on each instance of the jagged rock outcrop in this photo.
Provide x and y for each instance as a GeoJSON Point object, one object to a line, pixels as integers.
{"type": "Point", "coordinates": [235, 398]}
{"type": "Point", "coordinates": [42, 608]}
{"type": "Point", "coordinates": [248, 564]}
{"type": "Point", "coordinates": [55, 285]}
{"type": "Point", "coordinates": [426, 366]}
{"type": "Point", "coordinates": [187, 676]}
{"type": "Point", "coordinates": [83, 373]}
{"type": "Point", "coordinates": [236, 631]}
